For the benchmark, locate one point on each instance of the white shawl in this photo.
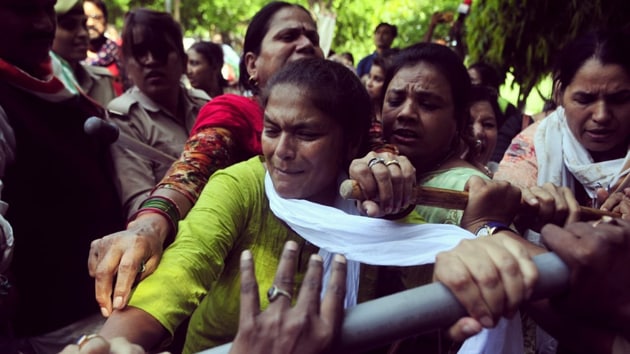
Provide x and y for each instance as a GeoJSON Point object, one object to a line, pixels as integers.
{"type": "Point", "coordinates": [362, 239]}
{"type": "Point", "coordinates": [561, 157]}
{"type": "Point", "coordinates": [380, 242]}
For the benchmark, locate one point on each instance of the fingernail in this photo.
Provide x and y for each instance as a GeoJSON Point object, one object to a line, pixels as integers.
{"type": "Point", "coordinates": [339, 258]}
{"type": "Point", "coordinates": [104, 312]}
{"type": "Point", "coordinates": [470, 329]}
{"type": "Point", "coordinates": [246, 255]}
{"type": "Point", "coordinates": [118, 302]}
{"type": "Point", "coordinates": [486, 321]}
{"type": "Point", "coordinates": [291, 246]}
{"type": "Point", "coordinates": [316, 257]}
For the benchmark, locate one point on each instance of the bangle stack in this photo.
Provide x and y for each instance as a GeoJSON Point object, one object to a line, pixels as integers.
{"type": "Point", "coordinates": [162, 205]}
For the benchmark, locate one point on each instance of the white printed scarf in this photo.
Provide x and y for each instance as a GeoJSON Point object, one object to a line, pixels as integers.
{"type": "Point", "coordinates": [560, 156]}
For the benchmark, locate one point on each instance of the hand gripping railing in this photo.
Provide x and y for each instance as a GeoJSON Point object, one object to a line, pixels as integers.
{"type": "Point", "coordinates": [422, 309]}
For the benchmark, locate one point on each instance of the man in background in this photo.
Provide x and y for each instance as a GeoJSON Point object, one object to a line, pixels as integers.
{"type": "Point", "coordinates": [384, 35]}
{"type": "Point", "coordinates": [103, 51]}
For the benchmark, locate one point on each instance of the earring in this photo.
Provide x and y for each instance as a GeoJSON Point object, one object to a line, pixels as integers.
{"type": "Point", "coordinates": [253, 82]}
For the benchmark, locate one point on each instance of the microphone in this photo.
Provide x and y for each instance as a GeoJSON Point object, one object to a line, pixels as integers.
{"type": "Point", "coordinates": [102, 129]}
{"type": "Point", "coordinates": [109, 133]}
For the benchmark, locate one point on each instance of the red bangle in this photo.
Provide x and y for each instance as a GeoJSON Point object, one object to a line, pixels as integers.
{"type": "Point", "coordinates": [157, 211]}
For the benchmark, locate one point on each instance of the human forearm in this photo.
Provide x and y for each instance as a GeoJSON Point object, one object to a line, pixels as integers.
{"type": "Point", "coordinates": [137, 326]}
{"type": "Point", "coordinates": [204, 153]}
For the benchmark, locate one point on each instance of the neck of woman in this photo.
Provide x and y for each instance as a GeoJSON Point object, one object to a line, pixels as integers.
{"type": "Point", "coordinates": [376, 104]}
{"type": "Point", "coordinates": [618, 152]}
{"type": "Point", "coordinates": [213, 89]}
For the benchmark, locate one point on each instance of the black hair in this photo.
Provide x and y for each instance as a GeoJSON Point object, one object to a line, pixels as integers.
{"type": "Point", "coordinates": [488, 74]}
{"type": "Point", "coordinates": [101, 5]}
{"type": "Point", "coordinates": [383, 62]}
{"type": "Point", "coordinates": [608, 47]}
{"type": "Point", "coordinates": [68, 21]}
{"type": "Point", "coordinates": [162, 34]}
{"type": "Point", "coordinates": [213, 53]}
{"type": "Point", "coordinates": [336, 91]}
{"type": "Point", "coordinates": [448, 64]}
{"type": "Point", "coordinates": [392, 28]}
{"type": "Point", "coordinates": [481, 93]}
{"type": "Point", "coordinates": [256, 32]}
{"type": "Point", "coordinates": [348, 56]}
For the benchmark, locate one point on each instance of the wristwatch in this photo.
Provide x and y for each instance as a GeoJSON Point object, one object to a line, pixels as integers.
{"type": "Point", "coordinates": [491, 228]}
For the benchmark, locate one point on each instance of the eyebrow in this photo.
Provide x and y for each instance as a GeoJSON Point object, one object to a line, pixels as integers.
{"type": "Point", "coordinates": [422, 94]}
{"type": "Point", "coordinates": [304, 122]}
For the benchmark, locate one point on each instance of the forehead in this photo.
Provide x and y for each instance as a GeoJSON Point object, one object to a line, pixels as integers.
{"type": "Point", "coordinates": [481, 109]}
{"type": "Point", "coordinates": [92, 8]}
{"type": "Point", "coordinates": [421, 76]}
{"type": "Point", "coordinates": [376, 69]}
{"type": "Point", "coordinates": [594, 76]}
{"type": "Point", "coordinates": [293, 105]}
{"type": "Point", "coordinates": [383, 29]}
{"type": "Point", "coordinates": [290, 17]}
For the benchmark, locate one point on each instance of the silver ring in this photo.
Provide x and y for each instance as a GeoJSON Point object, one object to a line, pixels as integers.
{"type": "Point", "coordinates": [274, 292]}
{"type": "Point", "coordinates": [86, 338]}
{"type": "Point", "coordinates": [392, 162]}
{"type": "Point", "coordinates": [605, 220]}
{"type": "Point", "coordinates": [375, 160]}
{"type": "Point", "coordinates": [143, 267]}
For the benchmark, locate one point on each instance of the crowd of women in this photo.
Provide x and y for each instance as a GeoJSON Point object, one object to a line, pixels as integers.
{"type": "Point", "coordinates": [239, 232]}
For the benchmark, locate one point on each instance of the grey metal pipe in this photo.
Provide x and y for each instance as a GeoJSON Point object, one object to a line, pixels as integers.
{"type": "Point", "coordinates": [422, 309]}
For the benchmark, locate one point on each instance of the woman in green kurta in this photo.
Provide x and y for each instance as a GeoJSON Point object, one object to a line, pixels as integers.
{"type": "Point", "coordinates": [312, 130]}
{"type": "Point", "coordinates": [316, 120]}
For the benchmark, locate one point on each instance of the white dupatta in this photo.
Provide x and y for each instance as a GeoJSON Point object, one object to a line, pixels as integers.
{"type": "Point", "coordinates": [380, 242]}
{"type": "Point", "coordinates": [561, 157]}
{"type": "Point", "coordinates": [362, 239]}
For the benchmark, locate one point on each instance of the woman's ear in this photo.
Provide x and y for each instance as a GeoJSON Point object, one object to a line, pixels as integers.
{"type": "Point", "coordinates": [250, 64]}
{"type": "Point", "coordinates": [557, 93]}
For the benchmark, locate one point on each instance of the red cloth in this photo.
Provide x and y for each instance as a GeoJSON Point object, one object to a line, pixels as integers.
{"type": "Point", "coordinates": [44, 83]}
{"type": "Point", "coordinates": [242, 116]}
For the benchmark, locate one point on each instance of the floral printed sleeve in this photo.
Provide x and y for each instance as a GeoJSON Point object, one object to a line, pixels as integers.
{"type": "Point", "coordinates": [205, 152]}
{"type": "Point", "coordinates": [519, 165]}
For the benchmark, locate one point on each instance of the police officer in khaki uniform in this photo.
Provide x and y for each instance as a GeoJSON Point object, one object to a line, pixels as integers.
{"type": "Point", "coordinates": [158, 110]}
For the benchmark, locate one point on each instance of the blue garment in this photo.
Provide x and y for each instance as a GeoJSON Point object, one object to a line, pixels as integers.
{"type": "Point", "coordinates": [365, 65]}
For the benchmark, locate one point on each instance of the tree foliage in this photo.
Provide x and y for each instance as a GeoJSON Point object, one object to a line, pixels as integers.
{"type": "Point", "coordinates": [522, 36]}
{"type": "Point", "coordinates": [355, 19]}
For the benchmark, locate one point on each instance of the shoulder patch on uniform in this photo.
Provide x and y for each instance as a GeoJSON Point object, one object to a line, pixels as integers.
{"type": "Point", "coordinates": [121, 105]}
{"type": "Point", "coordinates": [200, 94]}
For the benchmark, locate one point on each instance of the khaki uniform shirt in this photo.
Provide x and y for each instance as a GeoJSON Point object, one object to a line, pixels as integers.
{"type": "Point", "coordinates": [97, 83]}
{"type": "Point", "coordinates": [146, 121]}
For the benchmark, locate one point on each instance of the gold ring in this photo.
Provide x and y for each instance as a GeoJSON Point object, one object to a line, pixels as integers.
{"type": "Point", "coordinates": [605, 220]}
{"type": "Point", "coordinates": [86, 338]}
{"type": "Point", "coordinates": [274, 292]}
{"type": "Point", "coordinates": [392, 162]}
